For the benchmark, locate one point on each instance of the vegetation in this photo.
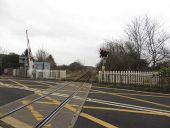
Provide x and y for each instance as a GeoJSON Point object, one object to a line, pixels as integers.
{"type": "Point", "coordinates": [43, 56]}
{"type": "Point", "coordinates": [72, 67]}
{"type": "Point", "coordinates": [144, 49]}
{"type": "Point", "coordinates": [10, 60]}
{"type": "Point", "coordinates": [76, 66]}
{"type": "Point", "coordinates": [165, 77]}
{"type": "Point", "coordinates": [165, 71]}
{"type": "Point", "coordinates": [122, 56]}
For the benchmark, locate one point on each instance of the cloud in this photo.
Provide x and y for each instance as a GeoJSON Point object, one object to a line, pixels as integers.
{"type": "Point", "coordinates": [71, 30]}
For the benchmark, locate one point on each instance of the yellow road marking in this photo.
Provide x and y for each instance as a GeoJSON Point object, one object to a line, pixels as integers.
{"type": "Point", "coordinates": [137, 99]}
{"type": "Point", "coordinates": [66, 105]}
{"type": "Point", "coordinates": [64, 90]}
{"type": "Point", "coordinates": [128, 110]}
{"type": "Point", "coordinates": [96, 91]}
{"type": "Point", "coordinates": [42, 83]}
{"type": "Point", "coordinates": [18, 83]}
{"type": "Point", "coordinates": [15, 123]}
{"type": "Point", "coordinates": [142, 95]}
{"type": "Point", "coordinates": [43, 102]}
{"type": "Point", "coordinates": [54, 103]}
{"type": "Point", "coordinates": [36, 114]}
{"type": "Point", "coordinates": [70, 106]}
{"type": "Point", "coordinates": [154, 93]}
{"type": "Point", "coordinates": [146, 101]}
{"type": "Point", "coordinates": [94, 119]}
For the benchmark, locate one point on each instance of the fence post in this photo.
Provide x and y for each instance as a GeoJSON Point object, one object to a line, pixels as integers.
{"type": "Point", "coordinates": [114, 76]}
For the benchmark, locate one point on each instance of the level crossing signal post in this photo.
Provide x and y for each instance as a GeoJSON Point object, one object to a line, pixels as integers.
{"type": "Point", "coordinates": [103, 54]}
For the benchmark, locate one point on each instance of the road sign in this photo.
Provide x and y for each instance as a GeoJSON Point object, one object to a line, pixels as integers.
{"type": "Point", "coordinates": [23, 60]}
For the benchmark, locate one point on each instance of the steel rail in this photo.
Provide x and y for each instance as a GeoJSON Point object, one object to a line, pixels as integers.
{"type": "Point", "coordinates": [85, 74]}
{"type": "Point", "coordinates": [25, 105]}
{"type": "Point", "coordinates": [57, 109]}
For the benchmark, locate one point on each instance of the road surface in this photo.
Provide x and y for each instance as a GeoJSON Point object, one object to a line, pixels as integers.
{"type": "Point", "coordinates": [104, 107]}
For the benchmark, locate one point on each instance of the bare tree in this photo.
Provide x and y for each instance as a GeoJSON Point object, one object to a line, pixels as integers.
{"type": "Point", "coordinates": [156, 41]}
{"type": "Point", "coordinates": [51, 60]}
{"type": "Point", "coordinates": [137, 34]}
{"type": "Point", "coordinates": [2, 51]}
{"type": "Point", "coordinates": [148, 38]}
{"type": "Point", "coordinates": [42, 55]}
{"type": "Point", "coordinates": [122, 56]}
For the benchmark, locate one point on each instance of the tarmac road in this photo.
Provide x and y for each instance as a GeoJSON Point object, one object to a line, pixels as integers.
{"type": "Point", "coordinates": [32, 114]}
{"type": "Point", "coordinates": [119, 108]}
{"type": "Point", "coordinates": [104, 107]}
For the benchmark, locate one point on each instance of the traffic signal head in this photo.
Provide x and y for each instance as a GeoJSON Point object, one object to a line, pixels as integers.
{"type": "Point", "coordinates": [103, 53]}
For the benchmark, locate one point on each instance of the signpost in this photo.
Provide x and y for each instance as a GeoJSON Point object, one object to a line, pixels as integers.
{"type": "Point", "coordinates": [23, 60]}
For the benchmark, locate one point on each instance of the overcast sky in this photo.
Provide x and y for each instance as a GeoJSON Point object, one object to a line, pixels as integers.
{"type": "Point", "coordinates": [72, 29]}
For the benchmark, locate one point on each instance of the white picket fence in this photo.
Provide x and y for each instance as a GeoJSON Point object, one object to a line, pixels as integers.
{"type": "Point", "coordinates": [50, 74]}
{"type": "Point", "coordinates": [130, 77]}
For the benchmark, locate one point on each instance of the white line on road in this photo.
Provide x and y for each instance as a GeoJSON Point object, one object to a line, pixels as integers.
{"type": "Point", "coordinates": [130, 94]}
{"type": "Point", "coordinates": [133, 90]}
{"type": "Point", "coordinates": [129, 106]}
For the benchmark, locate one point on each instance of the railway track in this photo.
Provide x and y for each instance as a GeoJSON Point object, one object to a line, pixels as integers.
{"type": "Point", "coordinates": [83, 77]}
{"type": "Point", "coordinates": [62, 95]}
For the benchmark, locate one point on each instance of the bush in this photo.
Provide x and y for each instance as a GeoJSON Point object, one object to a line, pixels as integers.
{"type": "Point", "coordinates": [165, 71]}
{"type": "Point", "coordinates": [165, 77]}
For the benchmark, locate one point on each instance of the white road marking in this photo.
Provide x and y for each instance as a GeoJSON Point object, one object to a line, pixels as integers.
{"type": "Point", "coordinates": [22, 85]}
{"type": "Point", "coordinates": [131, 94]}
{"type": "Point", "coordinates": [132, 90]}
{"type": "Point", "coordinates": [23, 88]}
{"type": "Point", "coordinates": [128, 106]}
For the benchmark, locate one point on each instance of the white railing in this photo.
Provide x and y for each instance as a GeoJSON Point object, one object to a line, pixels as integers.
{"type": "Point", "coordinates": [19, 72]}
{"type": "Point", "coordinates": [50, 74]}
{"type": "Point", "coordinates": [41, 74]}
{"type": "Point", "coordinates": [130, 77]}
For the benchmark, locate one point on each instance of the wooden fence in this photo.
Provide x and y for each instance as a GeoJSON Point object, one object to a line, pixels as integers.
{"type": "Point", "coordinates": [130, 77]}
